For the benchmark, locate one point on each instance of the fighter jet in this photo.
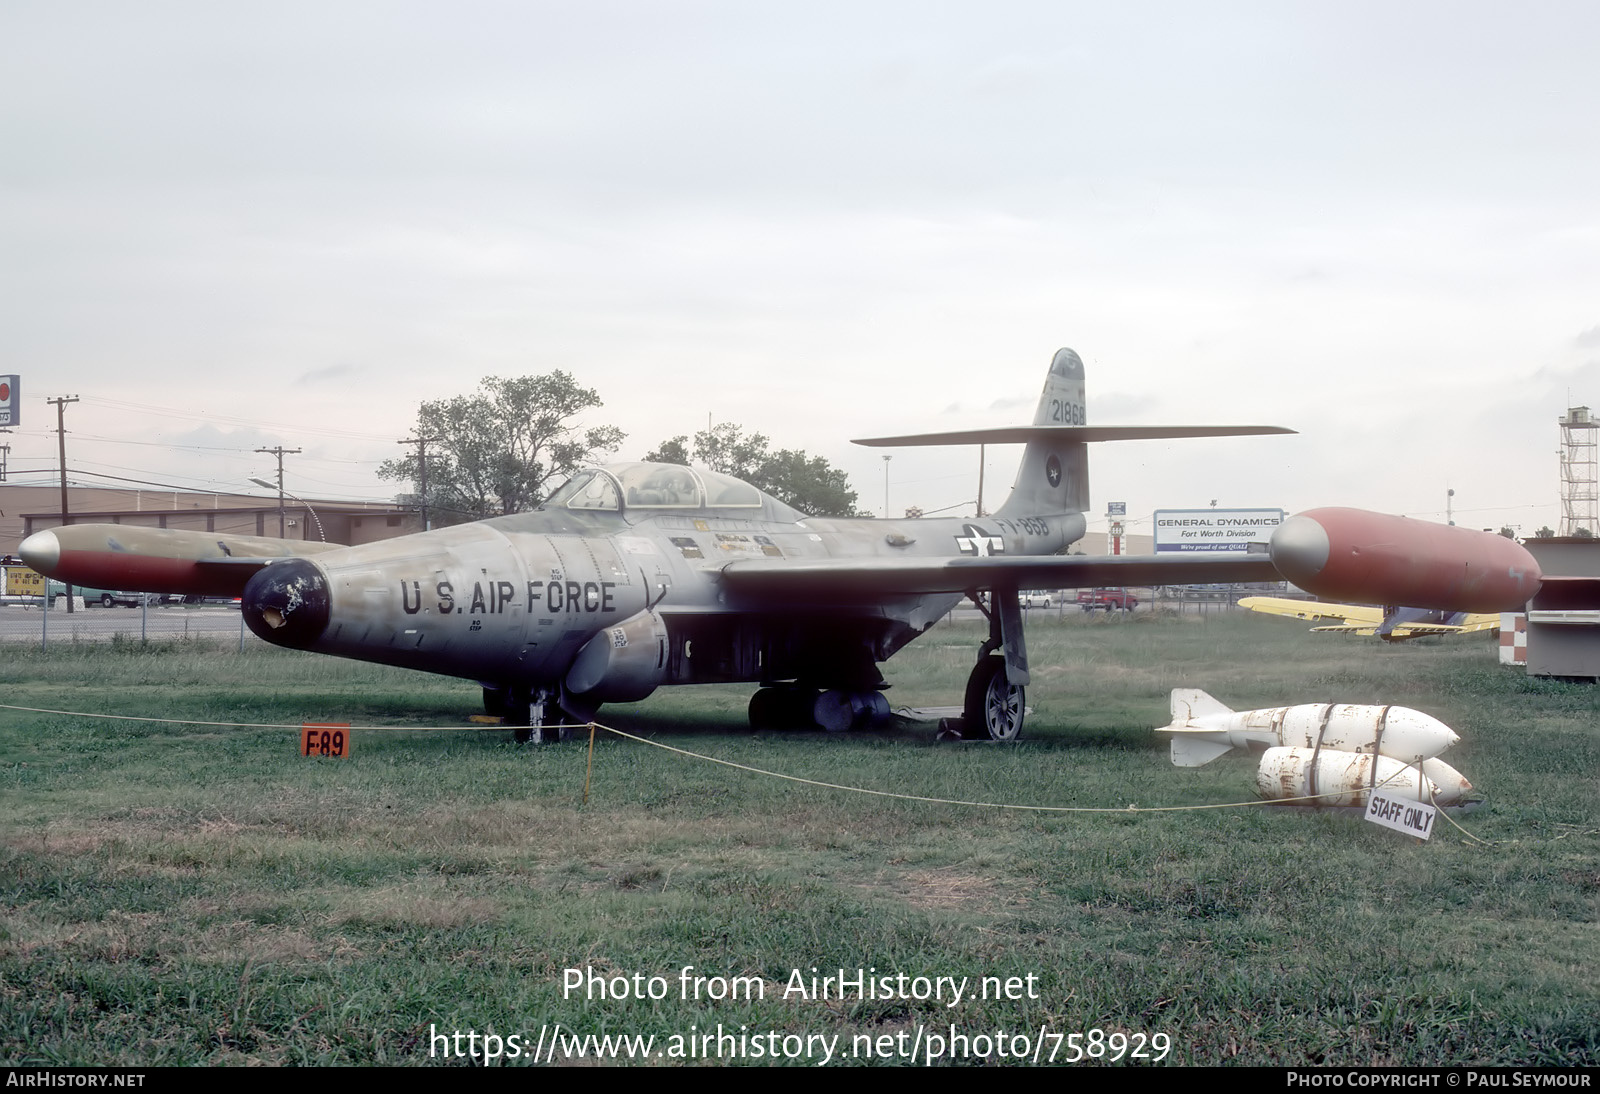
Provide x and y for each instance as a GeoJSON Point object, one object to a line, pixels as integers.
{"type": "Point", "coordinates": [639, 575]}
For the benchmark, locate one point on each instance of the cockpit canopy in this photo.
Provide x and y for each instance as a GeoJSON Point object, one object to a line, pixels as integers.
{"type": "Point", "coordinates": [655, 486]}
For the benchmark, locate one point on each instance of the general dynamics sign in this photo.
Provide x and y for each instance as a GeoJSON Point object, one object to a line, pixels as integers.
{"type": "Point", "coordinates": [1215, 529]}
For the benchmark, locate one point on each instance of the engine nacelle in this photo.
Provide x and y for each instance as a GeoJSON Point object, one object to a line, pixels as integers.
{"type": "Point", "coordinates": [621, 664]}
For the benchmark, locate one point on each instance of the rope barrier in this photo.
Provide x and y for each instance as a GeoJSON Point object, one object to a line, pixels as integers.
{"type": "Point", "coordinates": [593, 726]}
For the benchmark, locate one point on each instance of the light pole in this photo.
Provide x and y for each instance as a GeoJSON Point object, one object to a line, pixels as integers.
{"type": "Point", "coordinates": [886, 460]}
{"type": "Point", "coordinates": [281, 491]}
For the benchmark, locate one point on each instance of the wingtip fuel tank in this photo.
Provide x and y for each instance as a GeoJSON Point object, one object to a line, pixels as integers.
{"type": "Point", "coordinates": [1373, 558]}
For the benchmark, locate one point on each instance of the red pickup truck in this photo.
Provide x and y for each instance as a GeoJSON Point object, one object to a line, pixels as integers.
{"type": "Point", "coordinates": [1120, 599]}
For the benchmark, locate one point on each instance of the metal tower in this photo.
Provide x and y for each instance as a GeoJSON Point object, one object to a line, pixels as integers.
{"type": "Point", "coordinates": [1580, 485]}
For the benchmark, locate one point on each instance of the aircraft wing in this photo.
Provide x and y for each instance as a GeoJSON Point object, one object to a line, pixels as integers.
{"type": "Point", "coordinates": [1366, 620]}
{"type": "Point", "coordinates": [1469, 625]}
{"type": "Point", "coordinates": [868, 579]}
{"type": "Point", "coordinates": [1352, 616]}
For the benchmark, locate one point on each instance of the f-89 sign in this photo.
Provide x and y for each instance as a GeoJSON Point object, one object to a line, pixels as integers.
{"type": "Point", "coordinates": [325, 739]}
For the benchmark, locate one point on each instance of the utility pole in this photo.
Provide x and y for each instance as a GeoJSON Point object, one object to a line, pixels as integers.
{"type": "Point", "coordinates": [280, 452]}
{"type": "Point", "coordinates": [61, 443]}
{"type": "Point", "coordinates": [979, 513]}
{"type": "Point", "coordinates": [422, 463]}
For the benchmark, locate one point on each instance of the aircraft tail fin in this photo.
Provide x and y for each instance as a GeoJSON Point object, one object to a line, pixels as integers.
{"type": "Point", "coordinates": [1197, 751]}
{"type": "Point", "coordinates": [1054, 474]}
{"type": "Point", "coordinates": [1189, 704]}
{"type": "Point", "coordinates": [1192, 745]}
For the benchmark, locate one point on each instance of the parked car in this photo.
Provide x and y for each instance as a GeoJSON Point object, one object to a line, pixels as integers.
{"type": "Point", "coordinates": [1120, 599]}
{"type": "Point", "coordinates": [1038, 600]}
{"type": "Point", "coordinates": [106, 598]}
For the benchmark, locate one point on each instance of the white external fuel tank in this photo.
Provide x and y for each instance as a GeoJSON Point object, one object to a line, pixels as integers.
{"type": "Point", "coordinates": [1333, 777]}
{"type": "Point", "coordinates": [1203, 729]}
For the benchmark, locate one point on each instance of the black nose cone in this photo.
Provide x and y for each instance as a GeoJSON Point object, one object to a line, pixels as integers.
{"type": "Point", "coordinates": [287, 603]}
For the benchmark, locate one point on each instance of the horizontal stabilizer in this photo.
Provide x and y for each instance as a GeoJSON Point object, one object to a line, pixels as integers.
{"type": "Point", "coordinates": [1196, 748]}
{"type": "Point", "coordinates": [1021, 434]}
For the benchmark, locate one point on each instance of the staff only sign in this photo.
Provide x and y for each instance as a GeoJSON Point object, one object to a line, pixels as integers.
{"type": "Point", "coordinates": [1215, 529]}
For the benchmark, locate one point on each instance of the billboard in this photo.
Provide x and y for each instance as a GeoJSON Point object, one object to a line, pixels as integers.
{"type": "Point", "coordinates": [1215, 529]}
{"type": "Point", "coordinates": [10, 400]}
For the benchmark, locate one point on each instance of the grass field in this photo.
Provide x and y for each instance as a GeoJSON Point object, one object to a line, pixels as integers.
{"type": "Point", "coordinates": [179, 894]}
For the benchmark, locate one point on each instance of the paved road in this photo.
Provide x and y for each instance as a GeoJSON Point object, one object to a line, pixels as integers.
{"type": "Point", "coordinates": [19, 624]}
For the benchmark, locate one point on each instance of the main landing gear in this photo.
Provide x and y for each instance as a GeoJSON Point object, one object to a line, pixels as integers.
{"type": "Point", "coordinates": [995, 701]}
{"type": "Point", "coordinates": [994, 706]}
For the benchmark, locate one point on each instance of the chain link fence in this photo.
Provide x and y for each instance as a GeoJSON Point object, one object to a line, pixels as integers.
{"type": "Point", "coordinates": [28, 619]}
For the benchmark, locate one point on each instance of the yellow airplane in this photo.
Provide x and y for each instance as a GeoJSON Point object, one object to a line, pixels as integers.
{"type": "Point", "coordinates": [1390, 624]}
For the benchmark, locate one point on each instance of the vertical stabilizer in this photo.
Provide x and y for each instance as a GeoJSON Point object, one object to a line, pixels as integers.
{"type": "Point", "coordinates": [1193, 745]}
{"type": "Point", "coordinates": [1191, 704]}
{"type": "Point", "coordinates": [1054, 475]}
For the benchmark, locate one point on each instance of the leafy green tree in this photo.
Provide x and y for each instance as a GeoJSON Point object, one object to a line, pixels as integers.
{"type": "Point", "coordinates": [809, 483]}
{"type": "Point", "coordinates": [674, 451]}
{"type": "Point", "coordinates": [501, 449]}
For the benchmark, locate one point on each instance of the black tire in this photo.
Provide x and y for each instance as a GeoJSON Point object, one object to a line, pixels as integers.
{"type": "Point", "coordinates": [494, 702]}
{"type": "Point", "coordinates": [782, 706]}
{"type": "Point", "coordinates": [769, 709]}
{"type": "Point", "coordinates": [994, 708]}
{"type": "Point", "coordinates": [107, 600]}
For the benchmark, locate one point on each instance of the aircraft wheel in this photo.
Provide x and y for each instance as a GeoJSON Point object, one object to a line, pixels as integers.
{"type": "Point", "coordinates": [494, 702]}
{"type": "Point", "coordinates": [995, 707]}
{"type": "Point", "coordinates": [767, 709]}
{"type": "Point", "coordinates": [786, 706]}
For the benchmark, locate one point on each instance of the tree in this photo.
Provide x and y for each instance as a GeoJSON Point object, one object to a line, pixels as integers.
{"type": "Point", "coordinates": [809, 483]}
{"type": "Point", "coordinates": [1545, 532]}
{"type": "Point", "coordinates": [674, 451]}
{"type": "Point", "coordinates": [501, 449]}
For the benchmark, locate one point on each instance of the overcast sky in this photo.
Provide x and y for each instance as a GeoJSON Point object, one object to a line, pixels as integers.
{"type": "Point", "coordinates": [227, 226]}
